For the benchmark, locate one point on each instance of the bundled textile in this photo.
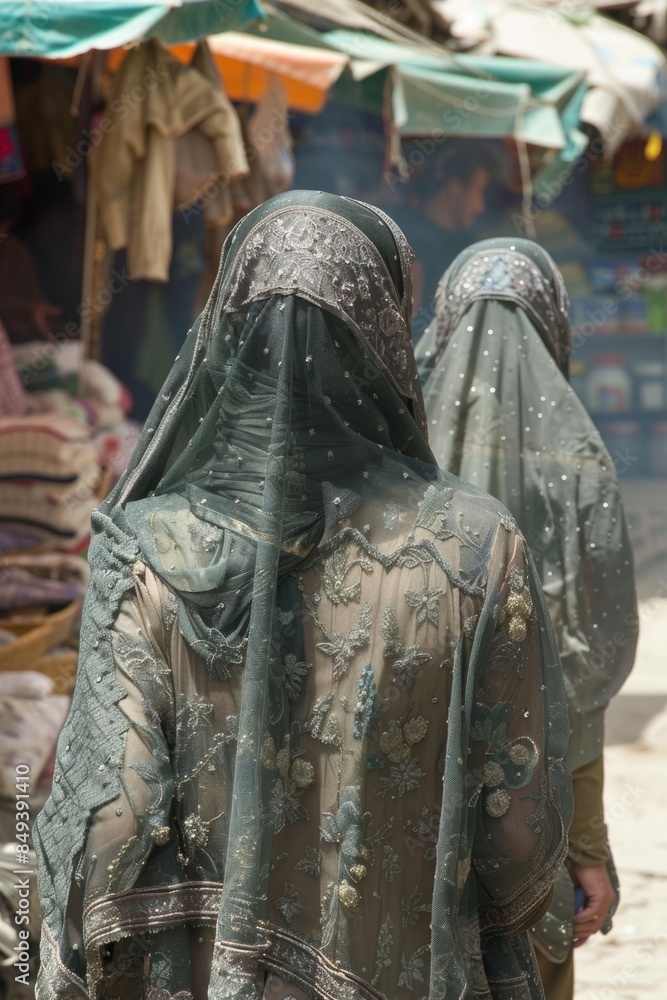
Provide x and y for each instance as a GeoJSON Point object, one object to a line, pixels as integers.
{"type": "Point", "coordinates": [59, 379]}
{"type": "Point", "coordinates": [309, 733]}
{"type": "Point", "coordinates": [30, 722]}
{"type": "Point", "coordinates": [41, 580]}
{"type": "Point", "coordinates": [50, 475]}
{"type": "Point", "coordinates": [13, 397]}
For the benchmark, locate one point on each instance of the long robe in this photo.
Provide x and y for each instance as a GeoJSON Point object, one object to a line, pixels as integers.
{"type": "Point", "coordinates": [502, 415]}
{"type": "Point", "coordinates": [318, 730]}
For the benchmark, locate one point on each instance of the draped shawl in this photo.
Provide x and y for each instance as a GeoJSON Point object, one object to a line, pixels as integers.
{"type": "Point", "coordinates": [309, 733]}
{"type": "Point", "coordinates": [502, 415]}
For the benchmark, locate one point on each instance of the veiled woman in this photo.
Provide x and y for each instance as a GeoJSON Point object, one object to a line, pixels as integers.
{"type": "Point", "coordinates": [308, 752]}
{"type": "Point", "coordinates": [502, 415]}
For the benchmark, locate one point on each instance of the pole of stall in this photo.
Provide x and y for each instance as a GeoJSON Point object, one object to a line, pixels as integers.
{"type": "Point", "coordinates": [88, 278]}
{"type": "Point", "coordinates": [91, 68]}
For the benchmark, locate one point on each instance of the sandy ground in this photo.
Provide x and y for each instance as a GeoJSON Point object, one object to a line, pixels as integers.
{"type": "Point", "coordinates": [631, 962]}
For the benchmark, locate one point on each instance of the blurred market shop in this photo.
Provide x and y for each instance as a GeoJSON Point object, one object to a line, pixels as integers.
{"type": "Point", "coordinates": [354, 101]}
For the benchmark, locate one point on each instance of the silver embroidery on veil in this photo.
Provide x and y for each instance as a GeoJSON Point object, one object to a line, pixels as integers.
{"type": "Point", "coordinates": [298, 251]}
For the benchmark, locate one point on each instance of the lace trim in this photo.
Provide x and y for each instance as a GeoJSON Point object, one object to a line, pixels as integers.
{"type": "Point", "coordinates": [406, 255]}
{"type": "Point", "coordinates": [304, 966]}
{"type": "Point", "coordinates": [54, 980]}
{"type": "Point", "coordinates": [509, 916]}
{"type": "Point", "coordinates": [140, 910]}
{"type": "Point", "coordinates": [513, 277]}
{"type": "Point", "coordinates": [512, 989]}
{"type": "Point", "coordinates": [323, 258]}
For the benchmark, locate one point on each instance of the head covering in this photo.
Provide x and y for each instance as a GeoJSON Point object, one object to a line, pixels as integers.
{"type": "Point", "coordinates": [512, 271]}
{"type": "Point", "coordinates": [502, 415]}
{"type": "Point", "coordinates": [288, 444]}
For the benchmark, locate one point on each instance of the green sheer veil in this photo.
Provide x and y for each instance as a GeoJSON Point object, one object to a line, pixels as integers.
{"type": "Point", "coordinates": [294, 399]}
{"type": "Point", "coordinates": [502, 415]}
{"type": "Point", "coordinates": [251, 403]}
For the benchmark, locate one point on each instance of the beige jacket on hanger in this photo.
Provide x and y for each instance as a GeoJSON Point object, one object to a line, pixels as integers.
{"type": "Point", "coordinates": [156, 101]}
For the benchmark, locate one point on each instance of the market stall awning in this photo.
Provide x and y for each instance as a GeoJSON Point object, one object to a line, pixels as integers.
{"type": "Point", "coordinates": [64, 28]}
{"type": "Point", "coordinates": [468, 96]}
{"type": "Point", "coordinates": [650, 16]}
{"type": "Point", "coordinates": [246, 63]}
{"type": "Point", "coordinates": [622, 68]}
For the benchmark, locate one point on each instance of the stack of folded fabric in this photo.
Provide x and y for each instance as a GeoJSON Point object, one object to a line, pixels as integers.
{"type": "Point", "coordinates": [50, 479]}
{"type": "Point", "coordinates": [13, 397]}
{"type": "Point", "coordinates": [60, 380]}
{"type": "Point", "coordinates": [31, 717]}
{"type": "Point", "coordinates": [48, 580]}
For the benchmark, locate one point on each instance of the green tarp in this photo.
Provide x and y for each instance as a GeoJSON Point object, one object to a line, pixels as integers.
{"type": "Point", "coordinates": [472, 96]}
{"type": "Point", "coordinates": [439, 92]}
{"type": "Point", "coordinates": [62, 28]}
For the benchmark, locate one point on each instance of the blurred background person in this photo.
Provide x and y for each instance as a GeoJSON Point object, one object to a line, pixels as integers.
{"type": "Point", "coordinates": [444, 198]}
{"type": "Point", "coordinates": [24, 308]}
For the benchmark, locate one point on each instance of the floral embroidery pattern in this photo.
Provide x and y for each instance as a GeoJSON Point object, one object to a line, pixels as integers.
{"type": "Point", "coordinates": [407, 660]}
{"type": "Point", "coordinates": [334, 575]}
{"type": "Point", "coordinates": [398, 738]}
{"type": "Point", "coordinates": [384, 949]}
{"type": "Point", "coordinates": [428, 831]}
{"type": "Point", "coordinates": [219, 653]}
{"type": "Point", "coordinates": [295, 773]}
{"type": "Point", "coordinates": [193, 716]}
{"type": "Point", "coordinates": [323, 724]}
{"type": "Point", "coordinates": [426, 604]}
{"type": "Point", "coordinates": [505, 657]}
{"type": "Point", "coordinates": [348, 828]}
{"type": "Point", "coordinates": [509, 763]}
{"type": "Point", "coordinates": [367, 711]}
{"type": "Point", "coordinates": [289, 904]}
{"type": "Point", "coordinates": [412, 970]}
{"type": "Point", "coordinates": [312, 863]}
{"type": "Point", "coordinates": [342, 649]}
{"type": "Point", "coordinates": [390, 864]}
{"type": "Point", "coordinates": [293, 676]}
{"type": "Point", "coordinates": [517, 613]}
{"type": "Point", "coordinates": [284, 808]}
{"type": "Point", "coordinates": [413, 907]}
{"type": "Point", "coordinates": [435, 503]}
{"type": "Point", "coordinates": [402, 778]}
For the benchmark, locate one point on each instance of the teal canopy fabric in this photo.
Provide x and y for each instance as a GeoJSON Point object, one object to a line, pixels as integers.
{"type": "Point", "coordinates": [438, 92]}
{"type": "Point", "coordinates": [63, 28]}
{"type": "Point", "coordinates": [468, 95]}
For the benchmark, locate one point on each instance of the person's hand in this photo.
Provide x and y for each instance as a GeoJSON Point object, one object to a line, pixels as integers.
{"type": "Point", "coordinates": [42, 313]}
{"type": "Point", "coordinates": [599, 894]}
